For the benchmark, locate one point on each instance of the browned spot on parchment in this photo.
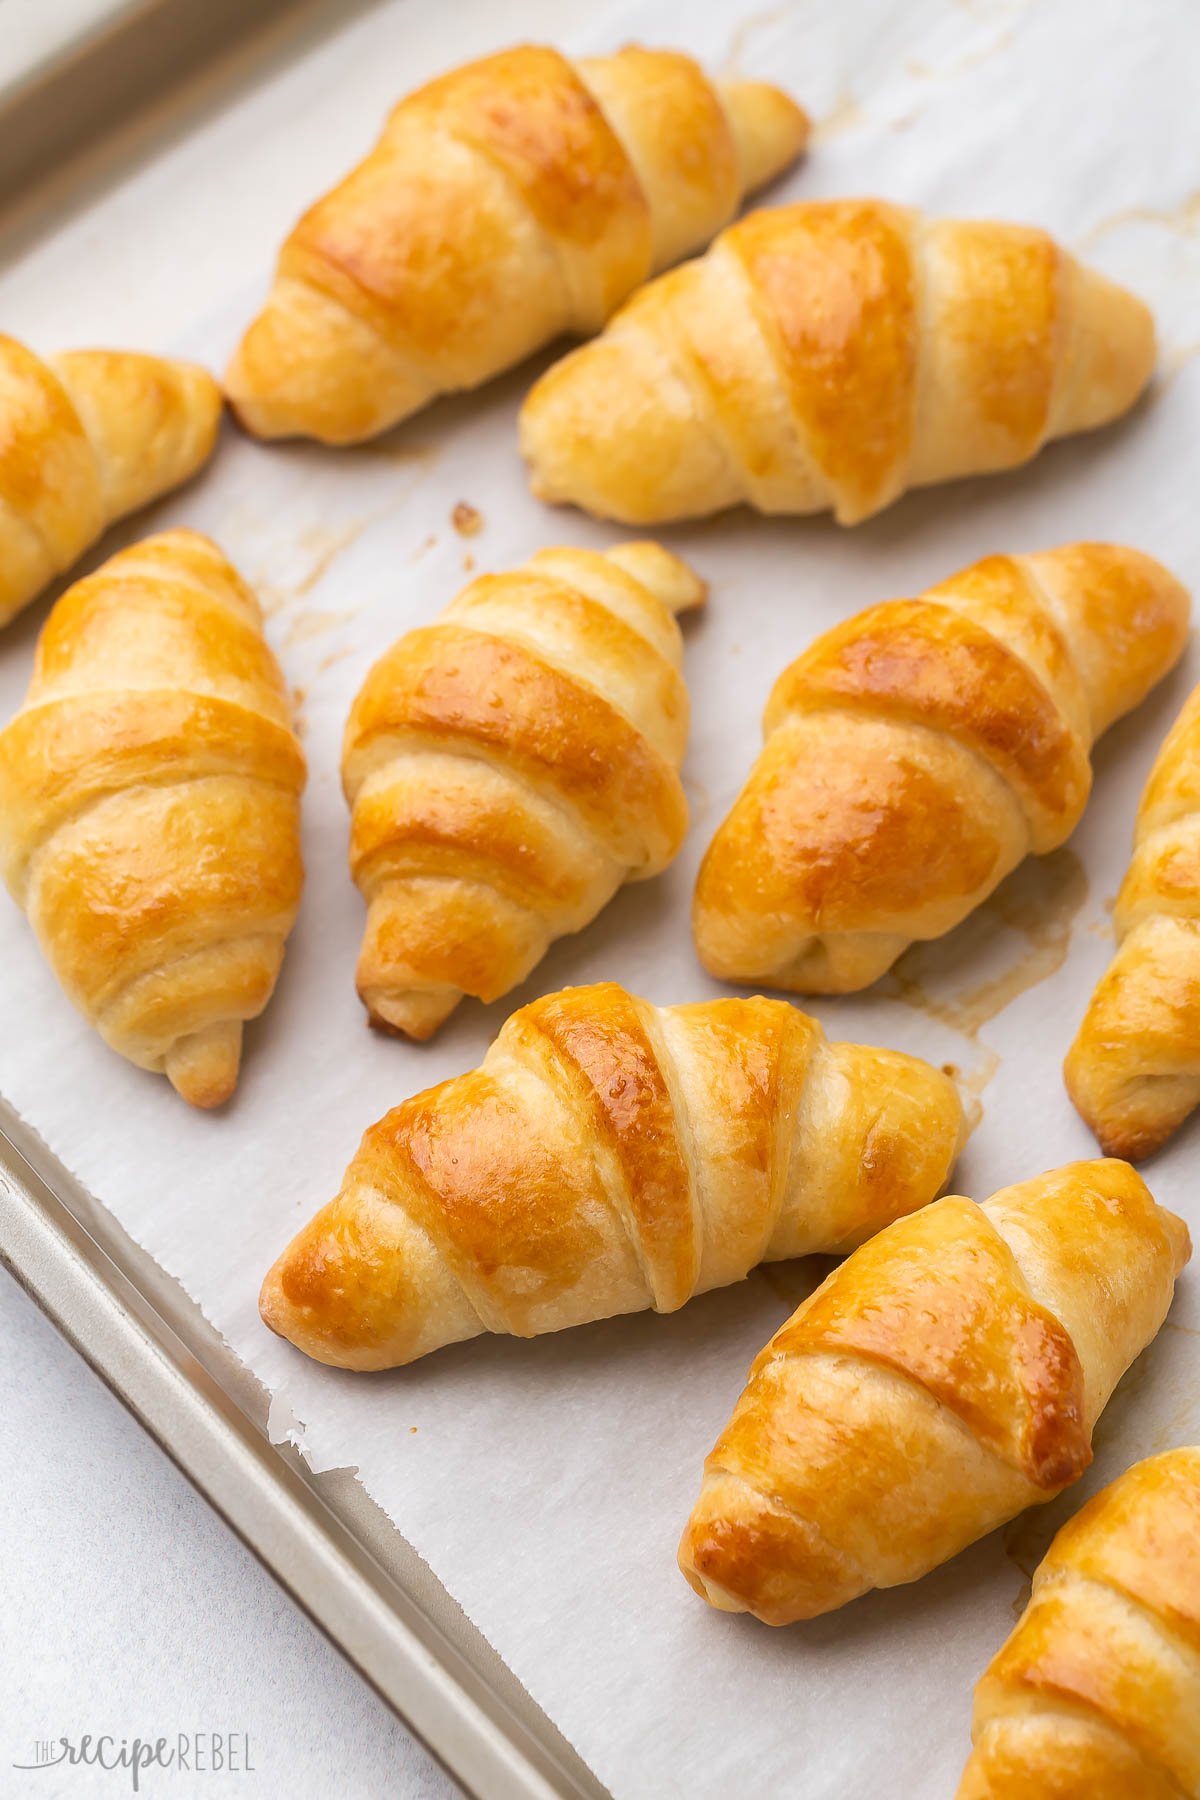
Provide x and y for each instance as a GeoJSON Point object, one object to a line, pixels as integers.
{"type": "Point", "coordinates": [313, 624]}
{"type": "Point", "coordinates": [746, 32]}
{"type": "Point", "coordinates": [323, 544]}
{"type": "Point", "coordinates": [271, 597]}
{"type": "Point", "coordinates": [970, 59]}
{"type": "Point", "coordinates": [971, 1087]}
{"type": "Point", "coordinates": [1038, 903]}
{"type": "Point", "coordinates": [334, 656]}
{"type": "Point", "coordinates": [1184, 219]}
{"type": "Point", "coordinates": [466, 519]}
{"type": "Point", "coordinates": [845, 113]}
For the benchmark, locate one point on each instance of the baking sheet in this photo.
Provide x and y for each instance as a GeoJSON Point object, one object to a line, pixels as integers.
{"type": "Point", "coordinates": [546, 1483]}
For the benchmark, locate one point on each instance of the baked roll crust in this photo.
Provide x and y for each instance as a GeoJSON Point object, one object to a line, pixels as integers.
{"type": "Point", "coordinates": [512, 200]}
{"type": "Point", "coordinates": [946, 1376]}
{"type": "Point", "coordinates": [828, 356]}
{"type": "Point", "coordinates": [86, 437]}
{"type": "Point", "coordinates": [1096, 1694]}
{"type": "Point", "coordinates": [509, 767]}
{"type": "Point", "coordinates": [608, 1156]}
{"type": "Point", "coordinates": [150, 808]}
{"type": "Point", "coordinates": [916, 754]}
{"type": "Point", "coordinates": [1134, 1068]}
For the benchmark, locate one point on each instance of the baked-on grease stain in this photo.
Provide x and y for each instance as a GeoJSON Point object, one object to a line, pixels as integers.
{"type": "Point", "coordinates": [313, 624]}
{"type": "Point", "coordinates": [1039, 902]}
{"type": "Point", "coordinates": [1183, 220]}
{"type": "Point", "coordinates": [323, 546]}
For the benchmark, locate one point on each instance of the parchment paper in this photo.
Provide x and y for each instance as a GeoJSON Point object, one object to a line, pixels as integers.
{"type": "Point", "coordinates": [546, 1482]}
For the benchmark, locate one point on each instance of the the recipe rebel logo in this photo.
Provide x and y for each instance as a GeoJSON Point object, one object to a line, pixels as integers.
{"type": "Point", "coordinates": [187, 1752]}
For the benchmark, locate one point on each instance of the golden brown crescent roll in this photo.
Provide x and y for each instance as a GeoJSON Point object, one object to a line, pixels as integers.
{"type": "Point", "coordinates": [829, 356]}
{"type": "Point", "coordinates": [150, 808]}
{"type": "Point", "coordinates": [608, 1156]}
{"type": "Point", "coordinates": [85, 438]}
{"type": "Point", "coordinates": [515, 199]}
{"type": "Point", "coordinates": [509, 767]}
{"type": "Point", "coordinates": [915, 754]}
{"type": "Point", "coordinates": [943, 1378]}
{"type": "Point", "coordinates": [1134, 1069]}
{"type": "Point", "coordinates": [1096, 1694]}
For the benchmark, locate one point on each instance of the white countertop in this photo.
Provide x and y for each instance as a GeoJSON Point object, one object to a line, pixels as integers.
{"type": "Point", "coordinates": [130, 1609]}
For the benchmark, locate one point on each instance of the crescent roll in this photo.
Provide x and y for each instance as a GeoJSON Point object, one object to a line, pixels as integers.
{"type": "Point", "coordinates": [1134, 1069]}
{"type": "Point", "coordinates": [943, 1378]}
{"type": "Point", "coordinates": [515, 199]}
{"type": "Point", "coordinates": [827, 357]}
{"type": "Point", "coordinates": [915, 754]}
{"type": "Point", "coordinates": [609, 1156]}
{"type": "Point", "coordinates": [508, 767]}
{"type": "Point", "coordinates": [1096, 1694]}
{"type": "Point", "coordinates": [150, 808]}
{"type": "Point", "coordinates": [85, 438]}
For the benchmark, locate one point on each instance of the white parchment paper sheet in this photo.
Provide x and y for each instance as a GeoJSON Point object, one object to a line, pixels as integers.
{"type": "Point", "coordinates": [546, 1483]}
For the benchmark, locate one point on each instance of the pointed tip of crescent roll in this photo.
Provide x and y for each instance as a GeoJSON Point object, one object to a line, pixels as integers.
{"type": "Point", "coordinates": [1130, 1072]}
{"type": "Point", "coordinates": [409, 1012]}
{"type": "Point", "coordinates": [913, 1129]}
{"type": "Point", "coordinates": [1115, 350]}
{"type": "Point", "coordinates": [152, 421]}
{"type": "Point", "coordinates": [1111, 1107]}
{"type": "Point", "coordinates": [298, 1300]}
{"type": "Point", "coordinates": [1129, 616]}
{"type": "Point", "coordinates": [363, 1286]}
{"type": "Point", "coordinates": [771, 131]}
{"type": "Point", "coordinates": [307, 367]}
{"type": "Point", "coordinates": [272, 1309]}
{"type": "Point", "coordinates": [203, 1067]}
{"type": "Point", "coordinates": [667, 577]}
{"type": "Point", "coordinates": [745, 1551]}
{"type": "Point", "coordinates": [610, 429]}
{"type": "Point", "coordinates": [1133, 1116]}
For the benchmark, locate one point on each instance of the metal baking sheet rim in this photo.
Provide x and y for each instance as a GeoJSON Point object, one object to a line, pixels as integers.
{"type": "Point", "coordinates": [85, 1275]}
{"type": "Point", "coordinates": [320, 1535]}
